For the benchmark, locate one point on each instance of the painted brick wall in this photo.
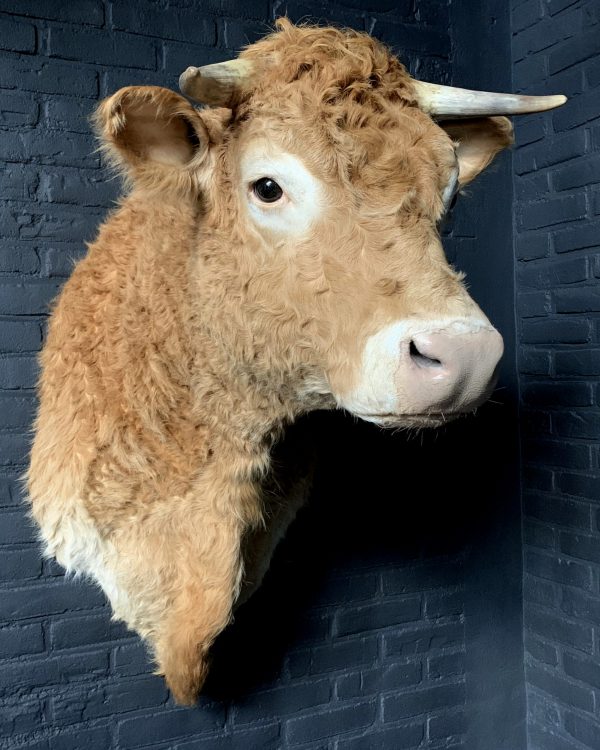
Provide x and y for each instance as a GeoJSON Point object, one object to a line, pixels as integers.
{"type": "Point", "coordinates": [376, 627]}
{"type": "Point", "coordinates": [556, 48]}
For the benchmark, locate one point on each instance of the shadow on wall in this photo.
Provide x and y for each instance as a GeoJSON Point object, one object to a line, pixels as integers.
{"type": "Point", "coordinates": [403, 511]}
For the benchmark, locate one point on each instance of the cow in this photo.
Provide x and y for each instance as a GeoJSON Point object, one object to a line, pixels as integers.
{"type": "Point", "coordinates": [274, 253]}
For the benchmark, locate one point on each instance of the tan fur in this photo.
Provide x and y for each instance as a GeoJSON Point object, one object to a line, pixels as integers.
{"type": "Point", "coordinates": [185, 341]}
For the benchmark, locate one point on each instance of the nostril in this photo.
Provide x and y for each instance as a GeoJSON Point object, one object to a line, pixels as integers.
{"type": "Point", "coordinates": [420, 359]}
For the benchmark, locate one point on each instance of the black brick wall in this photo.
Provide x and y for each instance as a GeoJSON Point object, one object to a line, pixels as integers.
{"type": "Point", "coordinates": [392, 615]}
{"type": "Point", "coordinates": [556, 48]}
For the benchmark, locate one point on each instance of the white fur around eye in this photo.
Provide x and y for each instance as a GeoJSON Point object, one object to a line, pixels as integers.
{"type": "Point", "coordinates": [303, 198]}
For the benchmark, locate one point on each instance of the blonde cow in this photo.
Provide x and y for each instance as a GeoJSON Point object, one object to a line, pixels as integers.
{"type": "Point", "coordinates": [275, 253]}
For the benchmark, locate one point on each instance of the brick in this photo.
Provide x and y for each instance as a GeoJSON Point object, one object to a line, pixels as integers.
{"type": "Point", "coordinates": [338, 590]}
{"type": "Point", "coordinates": [538, 591]}
{"type": "Point", "coordinates": [538, 478]}
{"type": "Point", "coordinates": [20, 336]}
{"type": "Point", "coordinates": [577, 238]}
{"type": "Point", "coordinates": [553, 330]}
{"type": "Point", "coordinates": [551, 211]}
{"type": "Point", "coordinates": [446, 665]}
{"type": "Point", "coordinates": [533, 362]}
{"type": "Point", "coordinates": [581, 485]}
{"type": "Point", "coordinates": [20, 564]}
{"type": "Point", "coordinates": [18, 641]}
{"type": "Point", "coordinates": [577, 424]}
{"type": "Point", "coordinates": [380, 679]}
{"type": "Point", "coordinates": [59, 261]}
{"type": "Point", "coordinates": [260, 738]}
{"type": "Point", "coordinates": [318, 727]}
{"type": "Point", "coordinates": [390, 738]}
{"type": "Point", "coordinates": [88, 188]}
{"type": "Point", "coordinates": [20, 718]}
{"type": "Point", "coordinates": [49, 77]}
{"type": "Point", "coordinates": [549, 151]}
{"type": "Point", "coordinates": [17, 37]}
{"type": "Point", "coordinates": [131, 659]}
{"type": "Point", "coordinates": [66, 114]}
{"type": "Point", "coordinates": [559, 454]}
{"type": "Point", "coordinates": [169, 725]}
{"type": "Point", "coordinates": [53, 671]}
{"type": "Point", "coordinates": [16, 372]}
{"type": "Point", "coordinates": [379, 615]}
{"type": "Point", "coordinates": [580, 546]}
{"type": "Point", "coordinates": [526, 15]}
{"type": "Point", "coordinates": [582, 109]}
{"type": "Point", "coordinates": [555, 628]}
{"type": "Point", "coordinates": [240, 33]}
{"type": "Point", "coordinates": [397, 707]}
{"type": "Point", "coordinates": [578, 173]}
{"type": "Point", "coordinates": [585, 730]}
{"type": "Point", "coordinates": [343, 655]}
{"type": "Point", "coordinates": [533, 304]}
{"type": "Point", "coordinates": [584, 362]}
{"type": "Point", "coordinates": [422, 640]}
{"type": "Point", "coordinates": [557, 569]}
{"type": "Point", "coordinates": [577, 299]}
{"type": "Point", "coordinates": [575, 50]}
{"type": "Point", "coordinates": [408, 37]}
{"type": "Point", "coordinates": [422, 577]}
{"type": "Point", "coordinates": [83, 11]}
{"type": "Point", "coordinates": [559, 687]}
{"type": "Point", "coordinates": [529, 71]}
{"type": "Point", "coordinates": [282, 701]}
{"type": "Point", "coordinates": [578, 604]}
{"type": "Point", "coordinates": [441, 727]}
{"type": "Point", "coordinates": [18, 111]}
{"type": "Point", "coordinates": [71, 149]}
{"type": "Point", "coordinates": [444, 603]}
{"type": "Point", "coordinates": [558, 394]}
{"type": "Point", "coordinates": [541, 651]}
{"type": "Point", "coordinates": [18, 257]}
{"type": "Point", "coordinates": [584, 669]}
{"type": "Point", "coordinates": [94, 737]}
{"type": "Point", "coordinates": [558, 272]}
{"type": "Point", "coordinates": [101, 48]}
{"type": "Point", "coordinates": [538, 535]}
{"type": "Point", "coordinates": [37, 601]}
{"type": "Point", "coordinates": [93, 702]}
{"type": "Point", "coordinates": [544, 739]}
{"type": "Point", "coordinates": [84, 631]}
{"type": "Point", "coordinates": [184, 25]}
{"type": "Point", "coordinates": [16, 528]}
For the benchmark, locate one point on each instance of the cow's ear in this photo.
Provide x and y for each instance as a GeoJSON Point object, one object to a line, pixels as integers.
{"type": "Point", "coordinates": [477, 142]}
{"type": "Point", "coordinates": [145, 128]}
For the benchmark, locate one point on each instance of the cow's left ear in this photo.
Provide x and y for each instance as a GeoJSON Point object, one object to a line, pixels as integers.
{"type": "Point", "coordinates": [477, 142]}
{"type": "Point", "coordinates": [149, 128]}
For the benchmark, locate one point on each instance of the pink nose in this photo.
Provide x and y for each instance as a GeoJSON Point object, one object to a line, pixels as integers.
{"type": "Point", "coordinates": [449, 370]}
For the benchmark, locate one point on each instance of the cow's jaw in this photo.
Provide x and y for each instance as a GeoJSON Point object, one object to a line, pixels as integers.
{"type": "Point", "coordinates": [416, 373]}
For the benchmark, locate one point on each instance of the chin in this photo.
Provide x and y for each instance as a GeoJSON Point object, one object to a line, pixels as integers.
{"type": "Point", "coordinates": [413, 421]}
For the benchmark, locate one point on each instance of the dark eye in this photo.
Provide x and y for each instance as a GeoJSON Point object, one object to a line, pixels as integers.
{"type": "Point", "coordinates": [267, 190]}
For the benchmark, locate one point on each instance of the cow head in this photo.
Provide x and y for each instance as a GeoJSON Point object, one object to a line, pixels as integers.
{"type": "Point", "coordinates": [320, 175]}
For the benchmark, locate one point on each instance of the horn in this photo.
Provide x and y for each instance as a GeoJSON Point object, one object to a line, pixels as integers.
{"type": "Point", "coordinates": [447, 101]}
{"type": "Point", "coordinates": [217, 84]}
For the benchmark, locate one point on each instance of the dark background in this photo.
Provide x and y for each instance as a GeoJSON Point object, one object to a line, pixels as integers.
{"type": "Point", "coordinates": [396, 611]}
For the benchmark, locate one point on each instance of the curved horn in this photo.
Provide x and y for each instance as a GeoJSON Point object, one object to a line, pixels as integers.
{"type": "Point", "coordinates": [447, 101]}
{"type": "Point", "coordinates": [215, 84]}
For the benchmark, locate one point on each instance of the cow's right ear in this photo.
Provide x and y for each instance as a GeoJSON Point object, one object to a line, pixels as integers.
{"type": "Point", "coordinates": [150, 132]}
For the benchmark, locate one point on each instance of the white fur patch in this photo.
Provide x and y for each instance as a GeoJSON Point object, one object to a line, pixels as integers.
{"type": "Point", "coordinates": [377, 390]}
{"type": "Point", "coordinates": [303, 198]}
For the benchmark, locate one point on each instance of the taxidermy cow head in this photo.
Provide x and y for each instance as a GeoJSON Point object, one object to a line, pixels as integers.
{"type": "Point", "coordinates": [275, 253]}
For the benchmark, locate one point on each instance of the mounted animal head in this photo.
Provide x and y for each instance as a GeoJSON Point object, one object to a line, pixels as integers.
{"type": "Point", "coordinates": [321, 172]}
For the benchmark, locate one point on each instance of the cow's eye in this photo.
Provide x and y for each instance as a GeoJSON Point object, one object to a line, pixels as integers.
{"type": "Point", "coordinates": [267, 190]}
